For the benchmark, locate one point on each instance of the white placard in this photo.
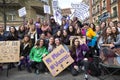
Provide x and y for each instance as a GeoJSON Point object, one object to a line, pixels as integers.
{"type": "Point", "coordinates": [47, 9]}
{"type": "Point", "coordinates": [55, 3]}
{"type": "Point", "coordinates": [81, 10]}
{"type": "Point", "coordinates": [22, 12]}
{"type": "Point", "coordinates": [79, 5]}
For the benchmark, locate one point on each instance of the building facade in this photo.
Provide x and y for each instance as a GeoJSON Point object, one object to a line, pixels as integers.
{"type": "Point", "coordinates": [34, 9]}
{"type": "Point", "coordinates": [104, 10]}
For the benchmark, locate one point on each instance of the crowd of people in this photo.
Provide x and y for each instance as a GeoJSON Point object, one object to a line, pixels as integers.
{"type": "Point", "coordinates": [38, 39]}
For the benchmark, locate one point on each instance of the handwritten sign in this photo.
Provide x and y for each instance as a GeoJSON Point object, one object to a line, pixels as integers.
{"type": "Point", "coordinates": [66, 11]}
{"type": "Point", "coordinates": [9, 51]}
{"type": "Point", "coordinates": [47, 9]}
{"type": "Point", "coordinates": [58, 60]}
{"type": "Point", "coordinates": [22, 12]}
{"type": "Point", "coordinates": [81, 39]}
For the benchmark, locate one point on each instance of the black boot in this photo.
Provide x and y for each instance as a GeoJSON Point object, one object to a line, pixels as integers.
{"type": "Point", "coordinates": [19, 68]}
{"type": "Point", "coordinates": [29, 70]}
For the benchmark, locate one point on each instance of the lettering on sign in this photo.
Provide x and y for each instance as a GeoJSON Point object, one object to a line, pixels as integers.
{"type": "Point", "coordinates": [9, 51]}
{"type": "Point", "coordinates": [58, 60]}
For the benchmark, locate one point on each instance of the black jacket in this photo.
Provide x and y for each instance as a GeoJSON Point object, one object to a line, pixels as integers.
{"type": "Point", "coordinates": [3, 37]}
{"type": "Point", "coordinates": [25, 49]}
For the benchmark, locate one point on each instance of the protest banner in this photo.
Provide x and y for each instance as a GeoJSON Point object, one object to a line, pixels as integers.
{"type": "Point", "coordinates": [58, 60]}
{"type": "Point", "coordinates": [22, 12]}
{"type": "Point", "coordinates": [55, 4]}
{"type": "Point", "coordinates": [81, 39]}
{"type": "Point", "coordinates": [66, 11]}
{"type": "Point", "coordinates": [9, 51]}
{"type": "Point", "coordinates": [81, 10]}
{"type": "Point", "coordinates": [47, 9]}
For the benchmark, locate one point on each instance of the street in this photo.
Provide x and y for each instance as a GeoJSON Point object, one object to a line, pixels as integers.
{"type": "Point", "coordinates": [14, 74]}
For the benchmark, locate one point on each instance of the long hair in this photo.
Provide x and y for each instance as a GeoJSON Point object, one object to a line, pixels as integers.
{"type": "Point", "coordinates": [114, 35]}
{"type": "Point", "coordinates": [104, 35]}
{"type": "Point", "coordinates": [29, 41]}
{"type": "Point", "coordinates": [59, 41]}
{"type": "Point", "coordinates": [73, 47]}
{"type": "Point", "coordinates": [15, 33]}
{"type": "Point", "coordinates": [71, 33]}
{"type": "Point", "coordinates": [93, 26]}
{"type": "Point", "coordinates": [38, 42]}
{"type": "Point", "coordinates": [20, 28]}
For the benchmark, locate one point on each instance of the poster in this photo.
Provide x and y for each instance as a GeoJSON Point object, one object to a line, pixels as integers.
{"type": "Point", "coordinates": [9, 51]}
{"type": "Point", "coordinates": [22, 12]}
{"type": "Point", "coordinates": [58, 60]}
{"type": "Point", "coordinates": [47, 9]}
{"type": "Point", "coordinates": [81, 39]}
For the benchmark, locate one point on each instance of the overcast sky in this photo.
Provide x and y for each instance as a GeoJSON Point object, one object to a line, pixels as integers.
{"type": "Point", "coordinates": [67, 3]}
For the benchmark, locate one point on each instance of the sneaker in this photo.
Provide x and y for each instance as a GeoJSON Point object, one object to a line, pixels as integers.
{"type": "Point", "coordinates": [86, 77]}
{"type": "Point", "coordinates": [37, 72]}
{"type": "Point", "coordinates": [46, 73]}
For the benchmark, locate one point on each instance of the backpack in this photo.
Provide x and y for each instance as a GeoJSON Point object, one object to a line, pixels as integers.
{"type": "Point", "coordinates": [94, 69]}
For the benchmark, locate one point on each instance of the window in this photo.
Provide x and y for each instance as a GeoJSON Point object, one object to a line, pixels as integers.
{"type": "Point", "coordinates": [93, 1]}
{"type": "Point", "coordinates": [11, 15]}
{"type": "Point", "coordinates": [98, 8]}
{"type": "Point", "coordinates": [112, 1]}
{"type": "Point", "coordinates": [104, 3]}
{"type": "Point", "coordinates": [93, 10]}
{"type": "Point", "coordinates": [45, 1]}
{"type": "Point", "coordinates": [114, 11]}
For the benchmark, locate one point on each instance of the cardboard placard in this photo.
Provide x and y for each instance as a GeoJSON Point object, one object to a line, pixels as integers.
{"type": "Point", "coordinates": [66, 11]}
{"type": "Point", "coordinates": [9, 51]}
{"type": "Point", "coordinates": [81, 39]}
{"type": "Point", "coordinates": [58, 60]}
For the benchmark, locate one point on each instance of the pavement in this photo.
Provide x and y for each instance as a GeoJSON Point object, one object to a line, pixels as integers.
{"type": "Point", "coordinates": [14, 74]}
